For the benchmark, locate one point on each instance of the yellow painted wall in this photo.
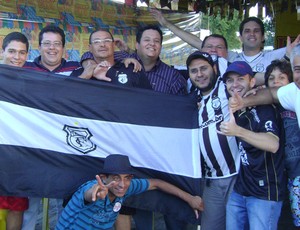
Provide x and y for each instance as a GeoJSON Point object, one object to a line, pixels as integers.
{"type": "Point", "coordinates": [78, 18]}
{"type": "Point", "coordinates": [286, 24]}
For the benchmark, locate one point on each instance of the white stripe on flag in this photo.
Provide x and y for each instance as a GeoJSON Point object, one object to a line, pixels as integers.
{"type": "Point", "coordinates": [171, 150]}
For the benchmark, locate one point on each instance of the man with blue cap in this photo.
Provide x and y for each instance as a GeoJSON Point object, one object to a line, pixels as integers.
{"type": "Point", "coordinates": [257, 195]}
{"type": "Point", "coordinates": [96, 204]}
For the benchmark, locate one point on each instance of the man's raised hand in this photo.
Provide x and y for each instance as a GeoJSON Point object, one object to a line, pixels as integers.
{"type": "Point", "coordinates": [236, 103]}
{"type": "Point", "coordinates": [230, 127]}
{"type": "Point", "coordinates": [100, 190]}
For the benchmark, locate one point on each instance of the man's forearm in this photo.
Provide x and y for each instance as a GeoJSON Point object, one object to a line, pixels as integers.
{"type": "Point", "coordinates": [262, 97]}
{"type": "Point", "coordinates": [264, 141]}
{"type": "Point", "coordinates": [188, 37]}
{"type": "Point", "coordinates": [169, 188]}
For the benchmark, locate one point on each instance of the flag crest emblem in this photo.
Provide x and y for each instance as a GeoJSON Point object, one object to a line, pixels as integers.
{"type": "Point", "coordinates": [79, 139]}
{"type": "Point", "coordinates": [122, 78]}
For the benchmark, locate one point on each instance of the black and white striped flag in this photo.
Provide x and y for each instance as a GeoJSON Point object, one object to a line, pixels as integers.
{"type": "Point", "coordinates": [55, 132]}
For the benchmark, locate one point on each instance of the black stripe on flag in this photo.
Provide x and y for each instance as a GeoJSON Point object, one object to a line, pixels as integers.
{"type": "Point", "coordinates": [55, 132]}
{"type": "Point", "coordinates": [95, 99]}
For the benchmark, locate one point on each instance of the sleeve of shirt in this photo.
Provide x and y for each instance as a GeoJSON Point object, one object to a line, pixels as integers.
{"type": "Point", "coordinates": [276, 54]}
{"type": "Point", "coordinates": [232, 55]}
{"type": "Point", "coordinates": [121, 55]}
{"type": "Point", "coordinates": [286, 96]}
{"type": "Point", "coordinates": [86, 56]}
{"type": "Point", "coordinates": [118, 56]}
{"type": "Point", "coordinates": [137, 186]}
{"type": "Point", "coordinates": [289, 98]}
{"type": "Point", "coordinates": [179, 86]}
{"type": "Point", "coordinates": [78, 197]}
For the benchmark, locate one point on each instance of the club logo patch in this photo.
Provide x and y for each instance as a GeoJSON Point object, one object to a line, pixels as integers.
{"type": "Point", "coordinates": [216, 103]}
{"type": "Point", "coordinates": [269, 126]}
{"type": "Point", "coordinates": [259, 68]}
{"type": "Point", "coordinates": [117, 207]}
{"type": "Point", "coordinates": [79, 139]}
{"type": "Point", "coordinates": [122, 78]}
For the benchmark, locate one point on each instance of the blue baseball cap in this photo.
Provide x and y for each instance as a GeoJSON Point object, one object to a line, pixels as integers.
{"type": "Point", "coordinates": [239, 67]}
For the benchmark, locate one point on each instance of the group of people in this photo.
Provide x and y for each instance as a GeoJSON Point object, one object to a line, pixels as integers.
{"type": "Point", "coordinates": [245, 146]}
{"type": "Point", "coordinates": [223, 159]}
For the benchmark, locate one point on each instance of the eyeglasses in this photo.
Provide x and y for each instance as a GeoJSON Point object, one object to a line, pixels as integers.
{"type": "Point", "coordinates": [209, 47]}
{"type": "Point", "coordinates": [48, 44]}
{"type": "Point", "coordinates": [99, 41]}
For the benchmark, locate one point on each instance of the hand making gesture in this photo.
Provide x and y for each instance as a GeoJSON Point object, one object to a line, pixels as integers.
{"type": "Point", "coordinates": [236, 103]}
{"type": "Point", "coordinates": [137, 66]}
{"type": "Point", "coordinates": [98, 191]}
{"type": "Point", "coordinates": [229, 128]}
{"type": "Point", "coordinates": [101, 70]}
{"type": "Point", "coordinates": [158, 16]}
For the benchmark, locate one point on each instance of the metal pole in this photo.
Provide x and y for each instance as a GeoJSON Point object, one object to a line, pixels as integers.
{"type": "Point", "coordinates": [45, 225]}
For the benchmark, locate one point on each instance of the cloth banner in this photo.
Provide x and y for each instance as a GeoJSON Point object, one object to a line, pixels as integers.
{"type": "Point", "coordinates": [55, 132]}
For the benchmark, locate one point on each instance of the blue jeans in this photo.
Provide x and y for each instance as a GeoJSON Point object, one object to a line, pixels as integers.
{"type": "Point", "coordinates": [248, 212]}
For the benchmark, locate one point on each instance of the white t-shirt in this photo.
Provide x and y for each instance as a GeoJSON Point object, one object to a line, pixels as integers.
{"type": "Point", "coordinates": [289, 98]}
{"type": "Point", "coordinates": [260, 61]}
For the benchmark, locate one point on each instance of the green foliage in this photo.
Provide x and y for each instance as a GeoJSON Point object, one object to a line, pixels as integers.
{"type": "Point", "coordinates": [227, 27]}
{"type": "Point", "coordinates": [269, 31]}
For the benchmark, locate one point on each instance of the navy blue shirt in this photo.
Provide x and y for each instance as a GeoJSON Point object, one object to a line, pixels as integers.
{"type": "Point", "coordinates": [261, 172]}
{"type": "Point", "coordinates": [120, 75]}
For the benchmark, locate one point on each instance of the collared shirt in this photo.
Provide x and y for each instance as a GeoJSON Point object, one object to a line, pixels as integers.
{"type": "Point", "coordinates": [261, 172]}
{"type": "Point", "coordinates": [65, 68]}
{"type": "Point", "coordinates": [162, 77]}
{"type": "Point", "coordinates": [100, 214]}
{"type": "Point", "coordinates": [260, 61]}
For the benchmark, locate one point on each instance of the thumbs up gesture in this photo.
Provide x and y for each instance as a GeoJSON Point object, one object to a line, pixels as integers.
{"type": "Point", "coordinates": [236, 102]}
{"type": "Point", "coordinates": [229, 128]}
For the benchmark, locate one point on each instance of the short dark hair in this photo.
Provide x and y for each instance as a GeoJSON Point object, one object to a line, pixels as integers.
{"type": "Point", "coordinates": [52, 29]}
{"type": "Point", "coordinates": [252, 19]}
{"type": "Point", "coordinates": [215, 36]}
{"type": "Point", "coordinates": [141, 30]}
{"type": "Point", "coordinates": [283, 66]}
{"type": "Point", "coordinates": [97, 30]}
{"type": "Point", "coordinates": [15, 36]}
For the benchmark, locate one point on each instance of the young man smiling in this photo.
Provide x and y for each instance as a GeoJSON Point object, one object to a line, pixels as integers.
{"type": "Point", "coordinates": [96, 204]}
{"type": "Point", "coordinates": [252, 37]}
{"type": "Point", "coordinates": [219, 153]}
{"type": "Point", "coordinates": [257, 196]}
{"type": "Point", "coordinates": [52, 47]}
{"type": "Point", "coordinates": [14, 52]}
{"type": "Point", "coordinates": [288, 96]}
